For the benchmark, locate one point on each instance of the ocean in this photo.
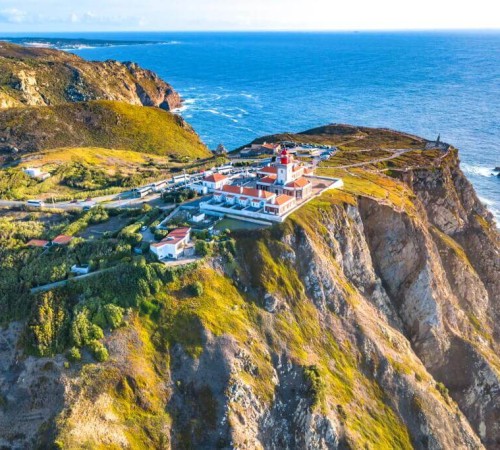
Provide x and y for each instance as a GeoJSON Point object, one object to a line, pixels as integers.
{"type": "Point", "coordinates": [239, 86]}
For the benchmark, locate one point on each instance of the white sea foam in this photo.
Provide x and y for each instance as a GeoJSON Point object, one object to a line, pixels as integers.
{"type": "Point", "coordinates": [477, 170]}
{"type": "Point", "coordinates": [39, 44]}
{"type": "Point", "coordinates": [493, 207]}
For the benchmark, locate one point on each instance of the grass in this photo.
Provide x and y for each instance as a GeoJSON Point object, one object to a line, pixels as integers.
{"type": "Point", "coordinates": [377, 186]}
{"type": "Point", "coordinates": [103, 124]}
{"type": "Point", "coordinates": [111, 158]}
{"type": "Point", "coordinates": [349, 138]}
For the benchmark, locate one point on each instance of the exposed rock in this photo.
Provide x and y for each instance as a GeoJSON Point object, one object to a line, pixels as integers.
{"type": "Point", "coordinates": [51, 77]}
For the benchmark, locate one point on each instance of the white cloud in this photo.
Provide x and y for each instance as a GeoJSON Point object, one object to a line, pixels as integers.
{"type": "Point", "coordinates": [13, 15]}
{"type": "Point", "coordinates": [55, 15]}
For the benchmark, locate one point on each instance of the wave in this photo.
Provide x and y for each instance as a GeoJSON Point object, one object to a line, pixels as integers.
{"type": "Point", "coordinates": [493, 207]}
{"type": "Point", "coordinates": [478, 170]}
{"type": "Point", "coordinates": [81, 44]}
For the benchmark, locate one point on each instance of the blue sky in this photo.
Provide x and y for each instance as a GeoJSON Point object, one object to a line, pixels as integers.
{"type": "Point", "coordinates": [177, 15]}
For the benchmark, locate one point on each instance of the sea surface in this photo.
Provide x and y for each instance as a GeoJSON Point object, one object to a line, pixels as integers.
{"type": "Point", "coordinates": [239, 86]}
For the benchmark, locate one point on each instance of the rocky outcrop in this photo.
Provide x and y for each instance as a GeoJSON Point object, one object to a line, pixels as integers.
{"type": "Point", "coordinates": [31, 394]}
{"type": "Point", "coordinates": [36, 77]}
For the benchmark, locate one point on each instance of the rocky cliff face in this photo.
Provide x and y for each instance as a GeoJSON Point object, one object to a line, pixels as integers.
{"type": "Point", "coordinates": [33, 77]}
{"type": "Point", "coordinates": [365, 321]}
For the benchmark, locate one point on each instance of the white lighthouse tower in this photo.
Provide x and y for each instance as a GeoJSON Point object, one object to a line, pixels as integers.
{"type": "Point", "coordinates": [285, 168]}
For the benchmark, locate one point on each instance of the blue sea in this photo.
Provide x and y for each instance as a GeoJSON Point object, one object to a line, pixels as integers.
{"type": "Point", "coordinates": [239, 86]}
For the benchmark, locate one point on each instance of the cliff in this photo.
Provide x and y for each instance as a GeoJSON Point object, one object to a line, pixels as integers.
{"type": "Point", "coordinates": [369, 319]}
{"type": "Point", "coordinates": [36, 77]}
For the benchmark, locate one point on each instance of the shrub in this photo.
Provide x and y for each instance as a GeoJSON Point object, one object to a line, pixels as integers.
{"type": "Point", "coordinates": [160, 234]}
{"type": "Point", "coordinates": [114, 315]}
{"type": "Point", "coordinates": [202, 248]}
{"type": "Point", "coordinates": [315, 384]}
{"type": "Point", "coordinates": [99, 352]}
{"type": "Point", "coordinates": [443, 391]}
{"type": "Point", "coordinates": [74, 354]}
{"type": "Point", "coordinates": [342, 413]}
{"type": "Point", "coordinates": [196, 289]}
{"type": "Point", "coordinates": [83, 331]}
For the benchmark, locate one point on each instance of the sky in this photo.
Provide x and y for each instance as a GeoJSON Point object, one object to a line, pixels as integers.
{"type": "Point", "coordinates": [187, 15]}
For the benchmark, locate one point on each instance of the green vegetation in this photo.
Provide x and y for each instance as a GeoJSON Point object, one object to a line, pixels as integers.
{"type": "Point", "coordinates": [179, 196]}
{"type": "Point", "coordinates": [196, 289]}
{"type": "Point", "coordinates": [348, 137]}
{"type": "Point", "coordinates": [315, 384]}
{"type": "Point", "coordinates": [103, 124]}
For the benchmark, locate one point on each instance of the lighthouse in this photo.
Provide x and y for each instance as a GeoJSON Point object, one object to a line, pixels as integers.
{"type": "Point", "coordinates": [284, 168]}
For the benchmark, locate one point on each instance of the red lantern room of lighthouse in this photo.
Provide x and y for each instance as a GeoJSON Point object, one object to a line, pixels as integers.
{"type": "Point", "coordinates": [284, 157]}
{"type": "Point", "coordinates": [284, 168]}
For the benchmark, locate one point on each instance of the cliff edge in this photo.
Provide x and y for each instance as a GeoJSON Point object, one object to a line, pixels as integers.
{"type": "Point", "coordinates": [40, 77]}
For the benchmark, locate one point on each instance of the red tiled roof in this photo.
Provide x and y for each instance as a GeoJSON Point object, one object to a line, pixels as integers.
{"type": "Point", "coordinates": [62, 239]}
{"type": "Point", "coordinates": [172, 240]}
{"type": "Point", "coordinates": [282, 199]}
{"type": "Point", "coordinates": [215, 178]}
{"type": "Point", "coordinates": [158, 244]}
{"type": "Point", "coordinates": [270, 179]}
{"type": "Point", "coordinates": [271, 146]}
{"type": "Point", "coordinates": [268, 169]}
{"type": "Point", "coordinates": [37, 243]}
{"type": "Point", "coordinates": [248, 192]}
{"type": "Point", "coordinates": [251, 192]}
{"type": "Point", "coordinates": [298, 183]}
{"type": "Point", "coordinates": [181, 231]}
{"type": "Point", "coordinates": [231, 188]}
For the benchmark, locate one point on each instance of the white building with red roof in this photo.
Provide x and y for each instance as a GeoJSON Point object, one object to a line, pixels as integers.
{"type": "Point", "coordinates": [173, 245]}
{"type": "Point", "coordinates": [285, 177]}
{"type": "Point", "coordinates": [214, 181]}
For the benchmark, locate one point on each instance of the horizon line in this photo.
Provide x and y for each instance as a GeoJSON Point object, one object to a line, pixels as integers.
{"type": "Point", "coordinates": [277, 30]}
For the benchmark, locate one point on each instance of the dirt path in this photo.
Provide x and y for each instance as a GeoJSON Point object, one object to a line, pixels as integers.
{"type": "Point", "coordinates": [396, 154]}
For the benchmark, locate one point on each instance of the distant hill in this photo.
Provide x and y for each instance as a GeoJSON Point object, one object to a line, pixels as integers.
{"type": "Point", "coordinates": [105, 124]}
{"type": "Point", "coordinates": [349, 137]}
{"type": "Point", "coordinates": [41, 76]}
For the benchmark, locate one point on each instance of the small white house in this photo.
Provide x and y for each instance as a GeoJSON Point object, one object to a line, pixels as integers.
{"type": "Point", "coordinates": [80, 270]}
{"type": "Point", "coordinates": [198, 217]}
{"type": "Point", "coordinates": [215, 181]}
{"type": "Point", "coordinates": [35, 172]}
{"type": "Point", "coordinates": [32, 172]}
{"type": "Point", "coordinates": [198, 188]}
{"type": "Point", "coordinates": [173, 245]}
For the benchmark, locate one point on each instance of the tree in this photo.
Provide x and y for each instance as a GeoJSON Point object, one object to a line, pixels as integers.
{"type": "Point", "coordinates": [48, 325]}
{"type": "Point", "coordinates": [83, 331]}
{"type": "Point", "coordinates": [202, 248]}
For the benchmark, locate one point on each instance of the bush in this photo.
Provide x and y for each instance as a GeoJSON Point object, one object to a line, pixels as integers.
{"type": "Point", "coordinates": [196, 289]}
{"type": "Point", "coordinates": [159, 234]}
{"type": "Point", "coordinates": [99, 352]}
{"type": "Point", "coordinates": [83, 331]}
{"type": "Point", "coordinates": [202, 248]}
{"type": "Point", "coordinates": [443, 391]}
{"type": "Point", "coordinates": [74, 354]}
{"type": "Point", "coordinates": [114, 315]}
{"type": "Point", "coordinates": [315, 384]}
